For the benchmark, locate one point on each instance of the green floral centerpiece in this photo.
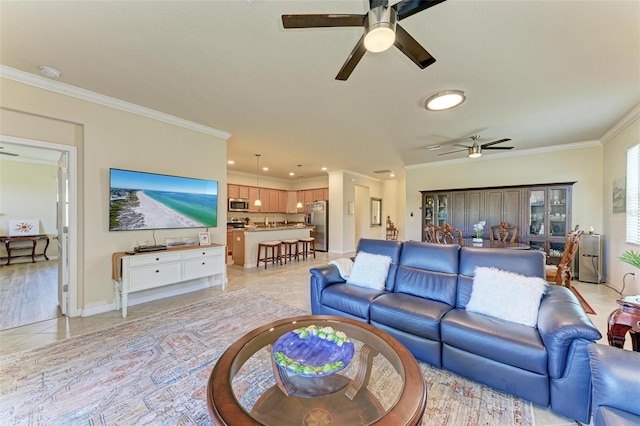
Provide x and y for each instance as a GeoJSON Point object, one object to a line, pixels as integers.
{"type": "Point", "coordinates": [631, 257]}
{"type": "Point", "coordinates": [313, 351]}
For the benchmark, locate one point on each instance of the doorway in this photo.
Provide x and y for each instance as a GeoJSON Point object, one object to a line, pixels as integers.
{"type": "Point", "coordinates": [32, 173]}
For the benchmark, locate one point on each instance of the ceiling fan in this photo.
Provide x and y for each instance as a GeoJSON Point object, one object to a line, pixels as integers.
{"type": "Point", "coordinates": [475, 150]}
{"type": "Point", "coordinates": [381, 30]}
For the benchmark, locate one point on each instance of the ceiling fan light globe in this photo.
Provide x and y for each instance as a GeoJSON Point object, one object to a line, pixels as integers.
{"type": "Point", "coordinates": [445, 100]}
{"type": "Point", "coordinates": [475, 151]}
{"type": "Point", "coordinates": [379, 39]}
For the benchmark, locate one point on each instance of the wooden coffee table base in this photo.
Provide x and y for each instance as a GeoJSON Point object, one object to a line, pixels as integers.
{"type": "Point", "coordinates": [275, 408]}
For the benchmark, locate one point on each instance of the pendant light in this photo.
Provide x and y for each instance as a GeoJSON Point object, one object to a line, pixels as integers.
{"type": "Point", "coordinates": [299, 205]}
{"type": "Point", "coordinates": [258, 203]}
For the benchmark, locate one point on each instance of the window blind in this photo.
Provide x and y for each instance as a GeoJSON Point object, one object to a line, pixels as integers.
{"type": "Point", "coordinates": [633, 198]}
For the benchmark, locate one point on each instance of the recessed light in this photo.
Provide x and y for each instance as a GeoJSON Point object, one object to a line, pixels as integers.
{"type": "Point", "coordinates": [265, 169]}
{"type": "Point", "coordinates": [324, 169]}
{"type": "Point", "coordinates": [445, 100]}
{"type": "Point", "coordinates": [291, 174]}
{"type": "Point", "coordinates": [231, 162]}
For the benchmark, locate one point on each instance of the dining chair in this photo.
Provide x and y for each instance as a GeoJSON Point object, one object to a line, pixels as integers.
{"type": "Point", "coordinates": [561, 274]}
{"type": "Point", "coordinates": [503, 233]}
{"type": "Point", "coordinates": [430, 233]}
{"type": "Point", "coordinates": [447, 234]}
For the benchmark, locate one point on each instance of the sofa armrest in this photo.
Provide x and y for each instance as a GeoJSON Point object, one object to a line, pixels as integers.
{"type": "Point", "coordinates": [615, 375]}
{"type": "Point", "coordinates": [561, 320]}
{"type": "Point", "coordinates": [322, 278]}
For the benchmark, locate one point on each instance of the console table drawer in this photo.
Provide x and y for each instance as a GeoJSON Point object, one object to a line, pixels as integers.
{"type": "Point", "coordinates": [195, 254]}
{"type": "Point", "coordinates": [154, 259]}
{"type": "Point", "coordinates": [202, 267]}
{"type": "Point", "coordinates": [154, 276]}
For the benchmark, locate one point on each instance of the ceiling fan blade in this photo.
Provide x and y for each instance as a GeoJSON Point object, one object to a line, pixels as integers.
{"type": "Point", "coordinates": [484, 145]}
{"type": "Point", "coordinates": [462, 146]}
{"type": "Point", "coordinates": [410, 47]}
{"type": "Point", "coordinates": [354, 57]}
{"type": "Point", "coordinates": [406, 8]}
{"type": "Point", "coordinates": [497, 147]}
{"type": "Point", "coordinates": [11, 154]}
{"type": "Point", "coordinates": [453, 152]}
{"type": "Point", "coordinates": [320, 21]}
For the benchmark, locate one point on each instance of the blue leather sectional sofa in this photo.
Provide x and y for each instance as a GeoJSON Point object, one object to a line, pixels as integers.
{"type": "Point", "coordinates": [423, 306]}
{"type": "Point", "coordinates": [615, 376]}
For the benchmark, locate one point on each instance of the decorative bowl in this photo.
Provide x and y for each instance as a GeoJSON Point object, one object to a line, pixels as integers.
{"type": "Point", "coordinates": [313, 351]}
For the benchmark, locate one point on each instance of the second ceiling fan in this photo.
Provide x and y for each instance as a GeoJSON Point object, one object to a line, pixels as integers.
{"type": "Point", "coordinates": [474, 150]}
{"type": "Point", "coordinates": [381, 30]}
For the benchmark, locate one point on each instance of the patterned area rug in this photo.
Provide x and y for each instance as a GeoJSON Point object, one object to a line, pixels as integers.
{"type": "Point", "coordinates": [155, 370]}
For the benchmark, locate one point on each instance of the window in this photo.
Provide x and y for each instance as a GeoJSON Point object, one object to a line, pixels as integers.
{"type": "Point", "coordinates": [633, 198]}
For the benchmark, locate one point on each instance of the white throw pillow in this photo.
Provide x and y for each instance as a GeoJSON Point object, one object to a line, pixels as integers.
{"type": "Point", "coordinates": [506, 295]}
{"type": "Point", "coordinates": [370, 270]}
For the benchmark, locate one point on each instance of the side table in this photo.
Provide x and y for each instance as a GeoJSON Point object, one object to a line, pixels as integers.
{"type": "Point", "coordinates": [625, 318]}
{"type": "Point", "coordinates": [32, 238]}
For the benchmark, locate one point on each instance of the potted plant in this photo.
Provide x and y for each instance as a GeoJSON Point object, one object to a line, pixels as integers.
{"type": "Point", "coordinates": [478, 229]}
{"type": "Point", "coordinates": [631, 257]}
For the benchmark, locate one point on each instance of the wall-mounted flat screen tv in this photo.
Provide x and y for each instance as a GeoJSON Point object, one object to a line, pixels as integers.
{"type": "Point", "coordinates": [140, 200]}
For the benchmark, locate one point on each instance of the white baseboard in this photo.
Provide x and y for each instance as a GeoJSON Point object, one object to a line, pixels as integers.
{"type": "Point", "coordinates": [145, 296]}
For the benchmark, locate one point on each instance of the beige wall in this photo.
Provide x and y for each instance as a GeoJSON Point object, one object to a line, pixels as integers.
{"type": "Point", "coordinates": [582, 165]}
{"type": "Point", "coordinates": [614, 224]}
{"type": "Point", "coordinates": [111, 137]}
{"type": "Point", "coordinates": [28, 191]}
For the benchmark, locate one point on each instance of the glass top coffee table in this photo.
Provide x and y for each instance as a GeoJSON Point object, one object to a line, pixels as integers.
{"type": "Point", "coordinates": [381, 383]}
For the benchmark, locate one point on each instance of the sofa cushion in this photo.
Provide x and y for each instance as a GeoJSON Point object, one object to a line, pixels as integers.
{"type": "Point", "coordinates": [413, 315]}
{"type": "Point", "coordinates": [387, 248]}
{"type": "Point", "coordinates": [428, 271]}
{"type": "Point", "coordinates": [524, 262]}
{"type": "Point", "coordinates": [506, 295]}
{"type": "Point", "coordinates": [505, 342]}
{"type": "Point", "coordinates": [370, 270]}
{"type": "Point", "coordinates": [349, 298]}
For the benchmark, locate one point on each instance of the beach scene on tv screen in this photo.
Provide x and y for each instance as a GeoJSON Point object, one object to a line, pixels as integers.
{"type": "Point", "coordinates": [141, 200]}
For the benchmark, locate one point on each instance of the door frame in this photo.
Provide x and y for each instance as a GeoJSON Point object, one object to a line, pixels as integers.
{"type": "Point", "coordinates": [71, 151]}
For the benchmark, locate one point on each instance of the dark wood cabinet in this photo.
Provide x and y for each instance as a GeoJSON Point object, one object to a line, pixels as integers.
{"type": "Point", "coordinates": [542, 213]}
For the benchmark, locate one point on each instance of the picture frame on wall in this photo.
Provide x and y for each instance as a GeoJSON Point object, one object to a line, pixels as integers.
{"type": "Point", "coordinates": [205, 239]}
{"type": "Point", "coordinates": [24, 227]}
{"type": "Point", "coordinates": [619, 195]}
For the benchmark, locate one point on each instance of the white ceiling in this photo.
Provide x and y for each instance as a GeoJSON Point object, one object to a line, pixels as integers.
{"type": "Point", "coordinates": [542, 73]}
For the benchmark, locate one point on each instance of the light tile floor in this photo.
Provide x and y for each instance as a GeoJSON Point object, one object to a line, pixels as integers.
{"type": "Point", "coordinates": [288, 284]}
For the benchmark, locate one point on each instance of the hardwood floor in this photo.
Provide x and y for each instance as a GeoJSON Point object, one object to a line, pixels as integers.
{"type": "Point", "coordinates": [28, 293]}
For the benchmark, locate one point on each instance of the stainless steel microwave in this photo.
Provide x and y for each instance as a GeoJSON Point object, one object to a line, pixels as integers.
{"type": "Point", "coordinates": [238, 205]}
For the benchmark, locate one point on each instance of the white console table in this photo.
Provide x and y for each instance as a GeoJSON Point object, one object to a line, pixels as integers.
{"type": "Point", "coordinates": [143, 271]}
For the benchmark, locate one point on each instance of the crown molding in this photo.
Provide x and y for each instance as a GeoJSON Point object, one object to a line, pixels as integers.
{"type": "Point", "coordinates": [622, 124]}
{"type": "Point", "coordinates": [96, 98]}
{"type": "Point", "coordinates": [520, 153]}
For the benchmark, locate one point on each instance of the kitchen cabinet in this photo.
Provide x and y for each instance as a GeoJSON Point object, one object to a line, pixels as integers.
{"type": "Point", "coordinates": [254, 194]}
{"type": "Point", "coordinates": [282, 201]}
{"type": "Point", "coordinates": [274, 201]}
{"type": "Point", "coordinates": [266, 200]}
{"type": "Point", "coordinates": [237, 191]}
{"type": "Point", "coordinates": [233, 191]}
{"type": "Point", "coordinates": [318, 194]}
{"type": "Point", "coordinates": [542, 213]}
{"type": "Point", "coordinates": [229, 241]}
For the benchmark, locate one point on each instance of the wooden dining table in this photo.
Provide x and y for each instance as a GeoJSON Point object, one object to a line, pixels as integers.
{"type": "Point", "coordinates": [486, 243]}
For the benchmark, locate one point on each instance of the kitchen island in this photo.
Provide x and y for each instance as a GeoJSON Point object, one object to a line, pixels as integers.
{"type": "Point", "coordinates": [245, 241]}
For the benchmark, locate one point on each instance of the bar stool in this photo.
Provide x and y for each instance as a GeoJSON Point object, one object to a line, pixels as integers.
{"type": "Point", "coordinates": [276, 253]}
{"type": "Point", "coordinates": [308, 247]}
{"type": "Point", "coordinates": [290, 250]}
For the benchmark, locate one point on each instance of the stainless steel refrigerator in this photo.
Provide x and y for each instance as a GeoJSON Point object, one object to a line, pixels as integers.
{"type": "Point", "coordinates": [317, 216]}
